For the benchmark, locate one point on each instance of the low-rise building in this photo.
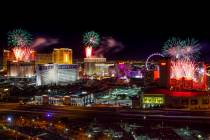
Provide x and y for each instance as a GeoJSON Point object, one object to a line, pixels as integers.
{"type": "Point", "coordinates": [119, 97]}
{"type": "Point", "coordinates": [193, 100]}
{"type": "Point", "coordinates": [190, 102]}
{"type": "Point", "coordinates": [81, 99]}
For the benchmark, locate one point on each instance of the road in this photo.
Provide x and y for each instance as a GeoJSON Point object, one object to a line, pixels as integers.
{"type": "Point", "coordinates": [111, 114]}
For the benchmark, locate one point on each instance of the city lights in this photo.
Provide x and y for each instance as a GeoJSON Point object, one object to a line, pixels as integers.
{"type": "Point", "coordinates": [9, 119]}
{"type": "Point", "coordinates": [153, 100]}
{"type": "Point", "coordinates": [49, 115]}
{"type": "Point", "coordinates": [99, 72]}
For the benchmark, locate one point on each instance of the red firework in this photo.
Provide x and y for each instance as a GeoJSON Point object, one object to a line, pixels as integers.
{"type": "Point", "coordinates": [22, 53]}
{"type": "Point", "coordinates": [183, 69]}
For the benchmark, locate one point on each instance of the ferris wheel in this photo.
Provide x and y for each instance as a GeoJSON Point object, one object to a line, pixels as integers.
{"type": "Point", "coordinates": [149, 58]}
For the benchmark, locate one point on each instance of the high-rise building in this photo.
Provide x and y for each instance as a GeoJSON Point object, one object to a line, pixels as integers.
{"type": "Point", "coordinates": [56, 74]}
{"type": "Point", "coordinates": [44, 58]}
{"type": "Point", "coordinates": [62, 56]}
{"type": "Point", "coordinates": [7, 56]}
{"type": "Point", "coordinates": [91, 65]}
{"type": "Point", "coordinates": [33, 55]}
{"type": "Point", "coordinates": [21, 69]}
{"type": "Point", "coordinates": [165, 65]}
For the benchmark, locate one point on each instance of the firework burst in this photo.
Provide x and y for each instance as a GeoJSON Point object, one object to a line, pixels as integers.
{"type": "Point", "coordinates": [19, 38]}
{"type": "Point", "coordinates": [91, 39]}
{"type": "Point", "coordinates": [181, 49]}
{"type": "Point", "coordinates": [20, 41]}
{"type": "Point", "coordinates": [183, 69]}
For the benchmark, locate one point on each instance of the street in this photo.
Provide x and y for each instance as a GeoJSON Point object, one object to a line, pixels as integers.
{"type": "Point", "coordinates": [104, 113]}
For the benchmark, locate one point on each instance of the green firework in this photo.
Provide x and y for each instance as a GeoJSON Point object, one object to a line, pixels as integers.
{"type": "Point", "coordinates": [91, 38]}
{"type": "Point", "coordinates": [19, 38]}
{"type": "Point", "coordinates": [182, 48]}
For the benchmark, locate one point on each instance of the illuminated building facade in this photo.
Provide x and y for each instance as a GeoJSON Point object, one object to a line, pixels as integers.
{"type": "Point", "coordinates": [190, 100]}
{"type": "Point", "coordinates": [122, 69]}
{"type": "Point", "coordinates": [44, 58]}
{"type": "Point", "coordinates": [21, 69]}
{"type": "Point", "coordinates": [4, 90]}
{"type": "Point", "coordinates": [62, 56]}
{"type": "Point", "coordinates": [165, 72]}
{"type": "Point", "coordinates": [81, 99]}
{"type": "Point", "coordinates": [175, 99]}
{"type": "Point", "coordinates": [33, 55]}
{"type": "Point", "coordinates": [7, 56]}
{"type": "Point", "coordinates": [102, 69]}
{"type": "Point", "coordinates": [93, 66]}
{"type": "Point", "coordinates": [126, 69]}
{"type": "Point", "coordinates": [118, 96]}
{"type": "Point", "coordinates": [152, 100]}
{"type": "Point", "coordinates": [56, 74]}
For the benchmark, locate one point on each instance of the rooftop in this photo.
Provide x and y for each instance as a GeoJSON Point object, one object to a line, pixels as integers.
{"type": "Point", "coordinates": [121, 93]}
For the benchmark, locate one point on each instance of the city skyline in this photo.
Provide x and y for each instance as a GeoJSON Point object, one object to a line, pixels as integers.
{"type": "Point", "coordinates": [104, 70]}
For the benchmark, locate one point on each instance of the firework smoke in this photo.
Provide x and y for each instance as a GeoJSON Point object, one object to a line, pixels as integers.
{"type": "Point", "coordinates": [44, 42]}
{"type": "Point", "coordinates": [108, 45]}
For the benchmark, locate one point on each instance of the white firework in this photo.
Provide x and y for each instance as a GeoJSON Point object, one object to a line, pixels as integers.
{"type": "Point", "coordinates": [179, 49]}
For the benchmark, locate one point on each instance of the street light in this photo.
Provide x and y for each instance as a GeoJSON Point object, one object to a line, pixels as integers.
{"type": "Point", "coordinates": [9, 119]}
{"type": "Point", "coordinates": [49, 115]}
{"type": "Point", "coordinates": [89, 135]}
{"type": "Point", "coordinates": [66, 130]}
{"type": "Point", "coordinates": [199, 136]}
{"type": "Point", "coordinates": [6, 89]}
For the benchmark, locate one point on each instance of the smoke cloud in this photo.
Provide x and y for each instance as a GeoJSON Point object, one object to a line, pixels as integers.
{"type": "Point", "coordinates": [107, 46]}
{"type": "Point", "coordinates": [44, 42]}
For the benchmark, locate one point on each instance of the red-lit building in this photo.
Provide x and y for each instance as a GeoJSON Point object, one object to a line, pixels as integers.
{"type": "Point", "coordinates": [18, 68]}
{"type": "Point", "coordinates": [164, 72]}
{"type": "Point", "coordinates": [193, 100]}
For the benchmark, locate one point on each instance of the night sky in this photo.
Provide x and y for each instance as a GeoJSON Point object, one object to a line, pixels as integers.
{"type": "Point", "coordinates": [141, 29]}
